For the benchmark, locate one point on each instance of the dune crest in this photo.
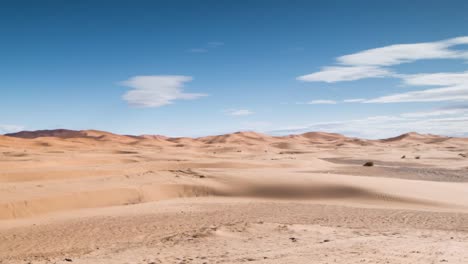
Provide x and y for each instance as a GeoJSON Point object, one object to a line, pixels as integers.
{"type": "Point", "coordinates": [247, 137]}
{"type": "Point", "coordinates": [413, 136]}
{"type": "Point", "coordinates": [241, 137]}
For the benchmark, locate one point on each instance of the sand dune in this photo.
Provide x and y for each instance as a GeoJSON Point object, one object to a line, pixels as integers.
{"type": "Point", "coordinates": [99, 197]}
{"type": "Point", "coordinates": [314, 191]}
{"type": "Point", "coordinates": [322, 136]}
{"type": "Point", "coordinates": [250, 138]}
{"type": "Point", "coordinates": [413, 136]}
{"type": "Point", "coordinates": [59, 133]}
{"type": "Point", "coordinates": [242, 138]}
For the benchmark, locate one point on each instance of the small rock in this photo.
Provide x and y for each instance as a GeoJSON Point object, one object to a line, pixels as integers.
{"type": "Point", "coordinates": [68, 259]}
{"type": "Point", "coordinates": [403, 157]}
{"type": "Point", "coordinates": [368, 164]}
{"type": "Point", "coordinates": [293, 239]}
{"type": "Point", "coordinates": [326, 240]}
{"type": "Point", "coordinates": [417, 157]}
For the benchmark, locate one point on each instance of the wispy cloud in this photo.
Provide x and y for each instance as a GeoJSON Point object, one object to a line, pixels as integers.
{"type": "Point", "coordinates": [157, 90]}
{"type": "Point", "coordinates": [455, 88]}
{"type": "Point", "coordinates": [451, 122]}
{"type": "Point", "coordinates": [344, 73]}
{"type": "Point", "coordinates": [207, 47]}
{"type": "Point", "coordinates": [239, 112]}
{"type": "Point", "coordinates": [354, 100]}
{"type": "Point", "coordinates": [404, 53]}
{"type": "Point", "coordinates": [374, 63]}
{"type": "Point", "coordinates": [322, 102]}
{"type": "Point", "coordinates": [10, 129]}
{"type": "Point", "coordinates": [437, 79]}
{"type": "Point", "coordinates": [455, 93]}
{"type": "Point", "coordinates": [459, 110]}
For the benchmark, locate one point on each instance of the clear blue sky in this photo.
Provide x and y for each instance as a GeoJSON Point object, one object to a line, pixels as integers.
{"type": "Point", "coordinates": [190, 68]}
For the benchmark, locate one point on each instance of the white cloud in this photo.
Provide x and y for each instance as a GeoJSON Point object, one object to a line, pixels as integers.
{"type": "Point", "coordinates": [322, 102]}
{"type": "Point", "coordinates": [345, 73]}
{"type": "Point", "coordinates": [455, 88]}
{"type": "Point", "coordinates": [354, 100]}
{"type": "Point", "coordinates": [404, 53]}
{"type": "Point", "coordinates": [455, 93]}
{"type": "Point", "coordinates": [450, 122]}
{"type": "Point", "coordinates": [10, 129]}
{"type": "Point", "coordinates": [157, 90]}
{"type": "Point", "coordinates": [439, 112]}
{"type": "Point", "coordinates": [239, 112]}
{"type": "Point", "coordinates": [437, 79]}
{"type": "Point", "coordinates": [374, 63]}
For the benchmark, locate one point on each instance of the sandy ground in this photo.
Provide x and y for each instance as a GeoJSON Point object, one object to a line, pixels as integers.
{"type": "Point", "coordinates": [96, 197]}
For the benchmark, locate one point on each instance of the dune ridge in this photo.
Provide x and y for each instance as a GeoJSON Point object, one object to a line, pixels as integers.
{"type": "Point", "coordinates": [241, 137]}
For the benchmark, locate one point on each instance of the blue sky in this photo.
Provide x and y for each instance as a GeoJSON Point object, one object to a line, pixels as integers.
{"type": "Point", "coordinates": [190, 68]}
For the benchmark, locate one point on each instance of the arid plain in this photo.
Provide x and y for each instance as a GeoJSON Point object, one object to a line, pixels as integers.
{"type": "Point", "coordinates": [96, 197]}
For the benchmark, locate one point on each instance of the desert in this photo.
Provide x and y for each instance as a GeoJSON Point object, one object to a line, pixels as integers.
{"type": "Point", "coordinates": [97, 197]}
{"type": "Point", "coordinates": [233, 131]}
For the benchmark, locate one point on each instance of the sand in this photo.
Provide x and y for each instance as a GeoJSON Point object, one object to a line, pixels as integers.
{"type": "Point", "coordinates": [96, 197]}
